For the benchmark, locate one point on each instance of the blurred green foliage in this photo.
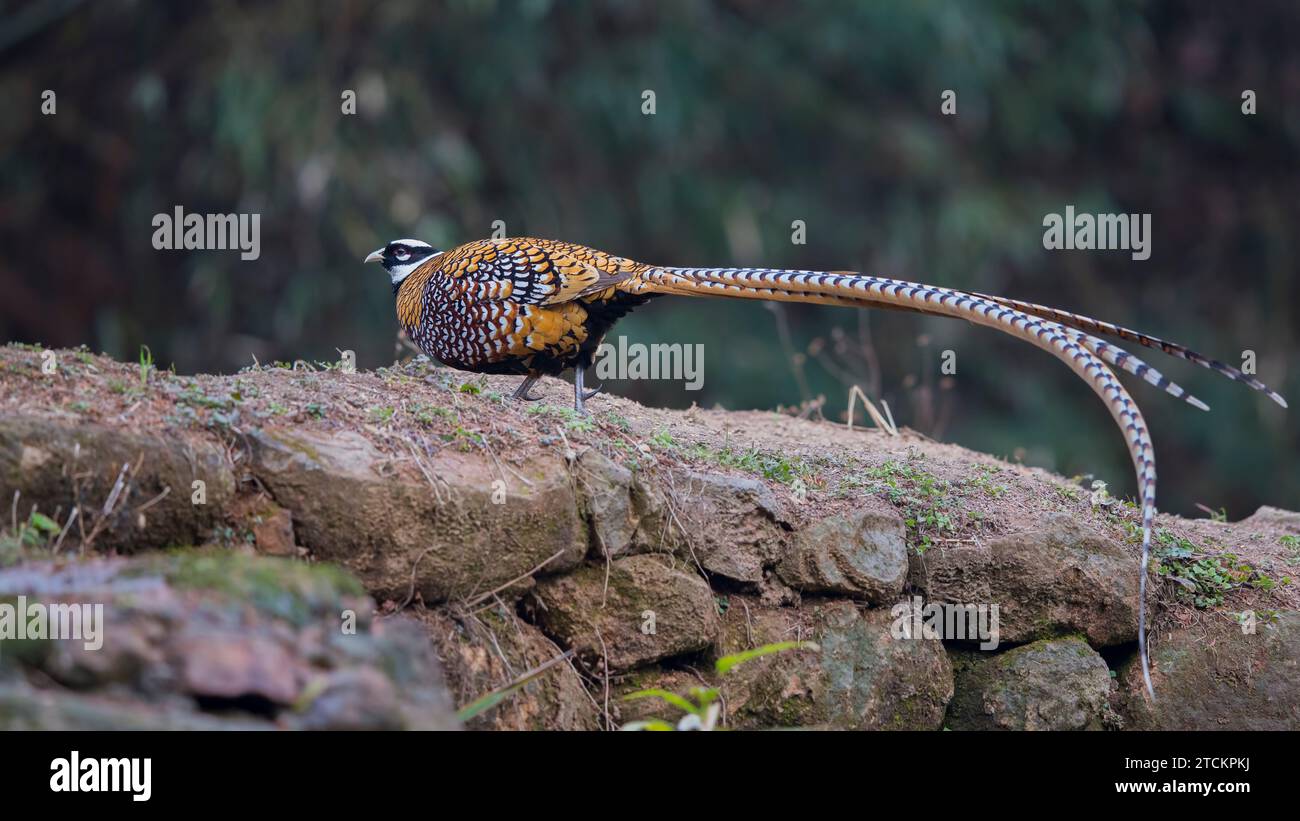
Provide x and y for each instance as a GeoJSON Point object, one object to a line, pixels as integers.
{"type": "Point", "coordinates": [530, 112]}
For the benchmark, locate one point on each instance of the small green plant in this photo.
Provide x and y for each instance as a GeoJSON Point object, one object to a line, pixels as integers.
{"type": "Point", "coordinates": [983, 480]}
{"type": "Point", "coordinates": [426, 414]}
{"type": "Point", "coordinates": [1068, 493]}
{"type": "Point", "coordinates": [573, 421]}
{"type": "Point", "coordinates": [34, 532]}
{"type": "Point", "coordinates": [193, 395]}
{"type": "Point", "coordinates": [930, 506]}
{"type": "Point", "coordinates": [1292, 544]}
{"type": "Point", "coordinates": [618, 421]}
{"type": "Point", "coordinates": [577, 422]}
{"type": "Point", "coordinates": [465, 440]}
{"type": "Point", "coordinates": [146, 365]}
{"type": "Point", "coordinates": [701, 707]}
{"type": "Point", "coordinates": [1267, 618]}
{"type": "Point", "coordinates": [788, 470]}
{"type": "Point", "coordinates": [663, 440]}
{"type": "Point", "coordinates": [1203, 580]}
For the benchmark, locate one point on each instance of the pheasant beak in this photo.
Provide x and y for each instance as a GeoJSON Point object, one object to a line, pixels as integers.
{"type": "Point", "coordinates": [376, 256]}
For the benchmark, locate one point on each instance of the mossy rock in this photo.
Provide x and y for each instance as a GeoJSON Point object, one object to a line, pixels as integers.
{"type": "Point", "coordinates": [1053, 684]}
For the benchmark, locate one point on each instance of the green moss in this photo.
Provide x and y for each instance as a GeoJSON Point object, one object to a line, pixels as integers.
{"type": "Point", "coordinates": [293, 590]}
{"type": "Point", "coordinates": [296, 445]}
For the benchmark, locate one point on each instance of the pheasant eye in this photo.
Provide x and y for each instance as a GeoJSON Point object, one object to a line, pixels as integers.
{"type": "Point", "coordinates": [401, 253]}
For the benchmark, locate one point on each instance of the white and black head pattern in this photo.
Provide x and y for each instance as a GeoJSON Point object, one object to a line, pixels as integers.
{"type": "Point", "coordinates": [402, 256]}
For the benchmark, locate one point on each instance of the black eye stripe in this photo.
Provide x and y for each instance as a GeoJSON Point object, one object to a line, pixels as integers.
{"type": "Point", "coordinates": [411, 251]}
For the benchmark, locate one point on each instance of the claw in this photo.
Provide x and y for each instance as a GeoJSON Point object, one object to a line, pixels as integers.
{"type": "Point", "coordinates": [580, 396]}
{"type": "Point", "coordinates": [522, 393]}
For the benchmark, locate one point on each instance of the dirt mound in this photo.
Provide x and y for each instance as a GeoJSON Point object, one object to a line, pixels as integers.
{"type": "Point", "coordinates": [648, 542]}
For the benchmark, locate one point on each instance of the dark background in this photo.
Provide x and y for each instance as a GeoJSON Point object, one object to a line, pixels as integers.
{"type": "Point", "coordinates": [767, 112]}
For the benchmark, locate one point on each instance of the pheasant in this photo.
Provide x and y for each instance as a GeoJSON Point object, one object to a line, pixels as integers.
{"type": "Point", "coordinates": [537, 307]}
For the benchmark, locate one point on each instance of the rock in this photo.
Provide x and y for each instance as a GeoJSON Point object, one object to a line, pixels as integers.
{"type": "Point", "coordinates": [1215, 677]}
{"type": "Point", "coordinates": [58, 463]}
{"type": "Point", "coordinates": [490, 650]}
{"type": "Point", "coordinates": [643, 612]}
{"type": "Point", "coordinates": [606, 495]}
{"type": "Point", "coordinates": [736, 524]}
{"type": "Point", "coordinates": [221, 666]}
{"type": "Point", "coordinates": [1053, 684]}
{"type": "Point", "coordinates": [273, 531]}
{"type": "Point", "coordinates": [24, 707]}
{"type": "Point", "coordinates": [357, 699]}
{"type": "Point", "coordinates": [1273, 517]}
{"type": "Point", "coordinates": [861, 554]}
{"type": "Point", "coordinates": [1058, 579]}
{"type": "Point", "coordinates": [860, 678]}
{"type": "Point", "coordinates": [189, 639]}
{"type": "Point", "coordinates": [625, 516]}
{"type": "Point", "coordinates": [350, 506]}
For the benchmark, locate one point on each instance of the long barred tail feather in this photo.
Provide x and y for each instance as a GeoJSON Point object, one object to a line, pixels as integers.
{"type": "Point", "coordinates": [1086, 355]}
{"type": "Point", "coordinates": [1112, 354]}
{"type": "Point", "coordinates": [1096, 326]}
{"type": "Point", "coordinates": [1148, 516]}
{"type": "Point", "coordinates": [1123, 359]}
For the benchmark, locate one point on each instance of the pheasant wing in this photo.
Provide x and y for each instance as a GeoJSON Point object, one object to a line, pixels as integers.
{"type": "Point", "coordinates": [535, 271]}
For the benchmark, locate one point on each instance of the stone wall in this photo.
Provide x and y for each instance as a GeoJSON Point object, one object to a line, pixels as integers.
{"type": "Point", "coordinates": [466, 561]}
